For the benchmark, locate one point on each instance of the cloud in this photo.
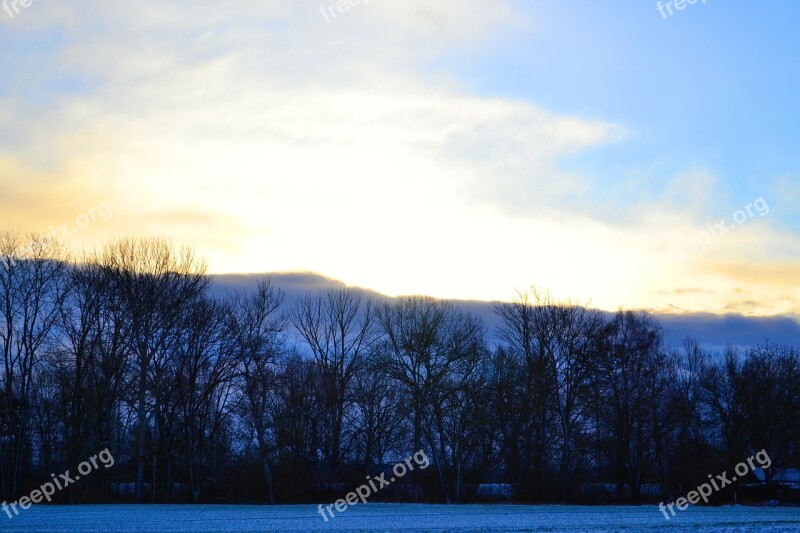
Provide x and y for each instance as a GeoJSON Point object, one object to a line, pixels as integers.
{"type": "Point", "coordinates": [293, 284]}
{"type": "Point", "coordinates": [279, 119]}
{"type": "Point", "coordinates": [274, 140]}
{"type": "Point", "coordinates": [712, 331]}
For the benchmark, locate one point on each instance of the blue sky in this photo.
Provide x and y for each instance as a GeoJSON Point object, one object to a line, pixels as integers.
{"type": "Point", "coordinates": [714, 86]}
{"type": "Point", "coordinates": [456, 148]}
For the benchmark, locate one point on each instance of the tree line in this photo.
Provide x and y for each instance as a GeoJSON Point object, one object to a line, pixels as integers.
{"type": "Point", "coordinates": [249, 398]}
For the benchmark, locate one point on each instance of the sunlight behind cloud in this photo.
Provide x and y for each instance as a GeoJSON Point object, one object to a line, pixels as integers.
{"type": "Point", "coordinates": [278, 141]}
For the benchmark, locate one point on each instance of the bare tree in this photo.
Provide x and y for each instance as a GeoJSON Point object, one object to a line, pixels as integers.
{"type": "Point", "coordinates": [770, 398]}
{"type": "Point", "coordinates": [155, 283]}
{"type": "Point", "coordinates": [378, 416]}
{"type": "Point", "coordinates": [427, 342]}
{"type": "Point", "coordinates": [462, 424]}
{"type": "Point", "coordinates": [203, 381]}
{"type": "Point", "coordinates": [338, 327]}
{"type": "Point", "coordinates": [566, 339]}
{"type": "Point", "coordinates": [33, 285]}
{"type": "Point", "coordinates": [723, 396]}
{"type": "Point", "coordinates": [86, 327]}
{"type": "Point", "coordinates": [257, 330]}
{"type": "Point", "coordinates": [524, 394]}
{"type": "Point", "coordinates": [630, 377]}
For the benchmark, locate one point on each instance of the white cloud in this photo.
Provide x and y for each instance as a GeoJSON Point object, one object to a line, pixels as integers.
{"type": "Point", "coordinates": [277, 141]}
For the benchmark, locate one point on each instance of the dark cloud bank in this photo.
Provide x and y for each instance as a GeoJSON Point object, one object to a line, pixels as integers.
{"type": "Point", "coordinates": [712, 331]}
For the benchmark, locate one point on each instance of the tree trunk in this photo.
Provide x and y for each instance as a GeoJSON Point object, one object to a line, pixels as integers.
{"type": "Point", "coordinates": [142, 452]}
{"type": "Point", "coordinates": [268, 480]}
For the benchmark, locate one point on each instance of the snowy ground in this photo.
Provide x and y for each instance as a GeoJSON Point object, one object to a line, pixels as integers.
{"type": "Point", "coordinates": [394, 517]}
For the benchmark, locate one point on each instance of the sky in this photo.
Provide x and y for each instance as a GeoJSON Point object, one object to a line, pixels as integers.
{"type": "Point", "coordinates": [604, 151]}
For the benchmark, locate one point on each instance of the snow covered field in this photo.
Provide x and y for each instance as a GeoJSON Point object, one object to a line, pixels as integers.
{"type": "Point", "coordinates": [394, 517]}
